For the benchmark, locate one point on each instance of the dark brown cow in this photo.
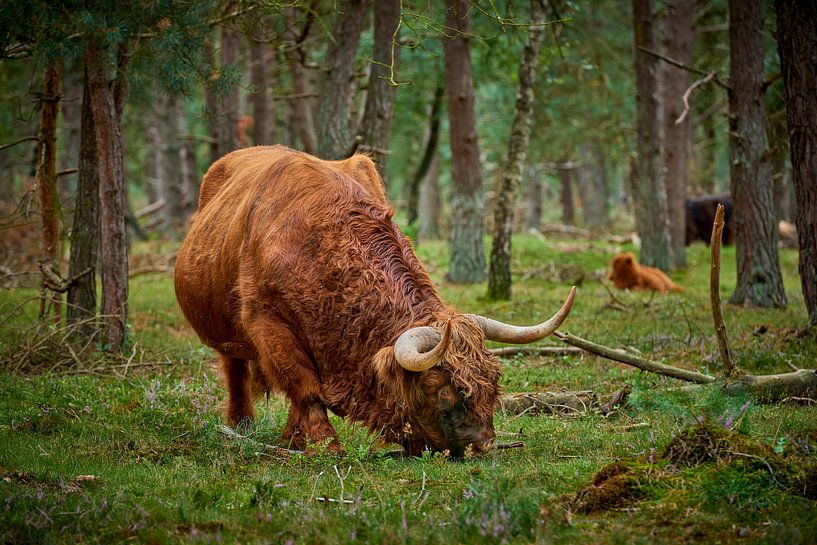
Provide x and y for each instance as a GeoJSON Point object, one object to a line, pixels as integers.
{"type": "Point", "coordinates": [295, 273]}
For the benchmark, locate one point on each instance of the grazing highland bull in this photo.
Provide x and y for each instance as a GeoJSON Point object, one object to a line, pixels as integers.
{"type": "Point", "coordinates": [700, 214]}
{"type": "Point", "coordinates": [295, 273]}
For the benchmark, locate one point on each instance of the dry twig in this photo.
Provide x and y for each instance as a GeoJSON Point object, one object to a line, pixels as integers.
{"type": "Point", "coordinates": [715, 294]}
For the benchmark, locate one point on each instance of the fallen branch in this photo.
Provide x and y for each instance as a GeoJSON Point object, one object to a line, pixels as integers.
{"type": "Point", "coordinates": [715, 293]}
{"type": "Point", "coordinates": [547, 403]}
{"type": "Point", "coordinates": [536, 351]}
{"type": "Point", "coordinates": [635, 361]}
{"type": "Point", "coordinates": [515, 444]}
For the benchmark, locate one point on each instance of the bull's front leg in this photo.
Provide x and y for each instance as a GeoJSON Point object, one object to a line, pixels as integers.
{"type": "Point", "coordinates": [288, 368]}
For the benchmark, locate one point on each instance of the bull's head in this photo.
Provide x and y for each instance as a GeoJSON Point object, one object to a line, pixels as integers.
{"type": "Point", "coordinates": [454, 379]}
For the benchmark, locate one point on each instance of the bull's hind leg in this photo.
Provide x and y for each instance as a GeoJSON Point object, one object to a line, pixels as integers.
{"type": "Point", "coordinates": [288, 368]}
{"type": "Point", "coordinates": [237, 378]}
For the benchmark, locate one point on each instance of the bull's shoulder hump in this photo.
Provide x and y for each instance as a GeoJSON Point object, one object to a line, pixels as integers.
{"type": "Point", "coordinates": [235, 165]}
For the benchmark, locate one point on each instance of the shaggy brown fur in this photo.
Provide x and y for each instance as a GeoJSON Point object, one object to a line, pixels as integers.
{"type": "Point", "coordinates": [295, 273]}
{"type": "Point", "coordinates": [628, 274]}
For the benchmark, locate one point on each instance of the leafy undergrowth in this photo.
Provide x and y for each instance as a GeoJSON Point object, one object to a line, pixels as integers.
{"type": "Point", "coordinates": [105, 451]}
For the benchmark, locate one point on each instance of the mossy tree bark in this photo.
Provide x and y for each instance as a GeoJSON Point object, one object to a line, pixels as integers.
{"type": "Point", "coordinates": [335, 130]}
{"type": "Point", "coordinates": [499, 273]}
{"type": "Point", "coordinates": [109, 162]}
{"type": "Point", "coordinates": [374, 129]}
{"type": "Point", "coordinates": [85, 231]}
{"type": "Point", "coordinates": [797, 45]}
{"type": "Point", "coordinates": [466, 231]}
{"type": "Point", "coordinates": [759, 281]}
{"type": "Point", "coordinates": [649, 195]}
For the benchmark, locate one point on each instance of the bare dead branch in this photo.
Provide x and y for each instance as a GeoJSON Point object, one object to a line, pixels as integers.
{"type": "Point", "coordinates": [715, 293]}
{"type": "Point", "coordinates": [683, 66]}
{"type": "Point", "coordinates": [536, 351]}
{"type": "Point", "coordinates": [635, 361]}
{"type": "Point", "coordinates": [20, 141]}
{"type": "Point", "coordinates": [687, 94]}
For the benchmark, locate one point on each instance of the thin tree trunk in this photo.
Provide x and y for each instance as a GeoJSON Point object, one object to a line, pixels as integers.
{"type": "Point", "coordinates": [85, 232]}
{"type": "Point", "coordinates": [566, 195]}
{"type": "Point", "coordinates": [377, 116]}
{"type": "Point", "coordinates": [301, 107]}
{"type": "Point", "coordinates": [679, 34]}
{"type": "Point", "coordinates": [109, 164]}
{"type": "Point", "coordinates": [428, 155]}
{"type": "Point", "coordinates": [210, 100]}
{"type": "Point", "coordinates": [533, 210]}
{"type": "Point", "coordinates": [499, 273]}
{"type": "Point", "coordinates": [227, 117]}
{"type": "Point", "coordinates": [172, 179]}
{"type": "Point", "coordinates": [263, 122]}
{"type": "Point", "coordinates": [759, 281]}
{"type": "Point", "coordinates": [649, 196]}
{"type": "Point", "coordinates": [338, 86]}
{"type": "Point", "coordinates": [796, 42]}
{"type": "Point", "coordinates": [47, 180]}
{"type": "Point", "coordinates": [466, 232]}
{"type": "Point", "coordinates": [189, 165]}
{"type": "Point", "coordinates": [430, 205]}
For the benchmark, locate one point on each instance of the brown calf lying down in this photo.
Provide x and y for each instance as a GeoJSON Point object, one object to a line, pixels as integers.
{"type": "Point", "coordinates": [628, 274]}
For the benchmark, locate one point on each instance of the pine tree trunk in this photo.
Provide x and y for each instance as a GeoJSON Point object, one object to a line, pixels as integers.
{"type": "Point", "coordinates": [210, 99]}
{"type": "Point", "coordinates": [171, 150]}
{"type": "Point", "coordinates": [85, 232]}
{"type": "Point", "coordinates": [47, 181]}
{"type": "Point", "coordinates": [227, 108]}
{"type": "Point", "coordinates": [429, 203]}
{"type": "Point", "coordinates": [109, 164]}
{"type": "Point", "coordinates": [429, 154]}
{"type": "Point", "coordinates": [377, 116]}
{"type": "Point", "coordinates": [499, 272]}
{"type": "Point", "coordinates": [466, 231]}
{"type": "Point", "coordinates": [189, 166]}
{"type": "Point", "coordinates": [301, 108]}
{"type": "Point", "coordinates": [797, 43]}
{"type": "Point", "coordinates": [338, 87]}
{"type": "Point", "coordinates": [649, 196]}
{"type": "Point", "coordinates": [759, 281]}
{"type": "Point", "coordinates": [594, 186]}
{"type": "Point", "coordinates": [263, 120]}
{"type": "Point", "coordinates": [679, 34]}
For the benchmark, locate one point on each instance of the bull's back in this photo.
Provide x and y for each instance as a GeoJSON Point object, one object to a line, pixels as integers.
{"type": "Point", "coordinates": [248, 203]}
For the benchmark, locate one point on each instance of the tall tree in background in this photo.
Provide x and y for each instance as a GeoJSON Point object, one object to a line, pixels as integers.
{"type": "Point", "coordinates": [300, 105]}
{"type": "Point", "coordinates": [47, 179]}
{"type": "Point", "coordinates": [226, 123]}
{"type": "Point", "coordinates": [81, 295]}
{"type": "Point", "coordinates": [797, 46]}
{"type": "Point", "coordinates": [649, 196]}
{"type": "Point", "coordinates": [339, 84]}
{"type": "Point", "coordinates": [679, 34]}
{"type": "Point", "coordinates": [466, 230]}
{"type": "Point", "coordinates": [376, 123]}
{"type": "Point", "coordinates": [263, 121]}
{"type": "Point", "coordinates": [109, 162]}
{"type": "Point", "coordinates": [758, 265]}
{"type": "Point", "coordinates": [499, 273]}
{"type": "Point", "coordinates": [566, 172]}
{"type": "Point", "coordinates": [429, 155]}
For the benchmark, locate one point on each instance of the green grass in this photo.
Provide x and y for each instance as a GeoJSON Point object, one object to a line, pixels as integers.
{"type": "Point", "coordinates": [163, 472]}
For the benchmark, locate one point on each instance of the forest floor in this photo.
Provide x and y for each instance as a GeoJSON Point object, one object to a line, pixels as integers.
{"type": "Point", "coordinates": [133, 449]}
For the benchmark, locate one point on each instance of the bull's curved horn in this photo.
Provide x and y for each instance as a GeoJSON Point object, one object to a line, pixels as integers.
{"type": "Point", "coordinates": [506, 333]}
{"type": "Point", "coordinates": [421, 348]}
